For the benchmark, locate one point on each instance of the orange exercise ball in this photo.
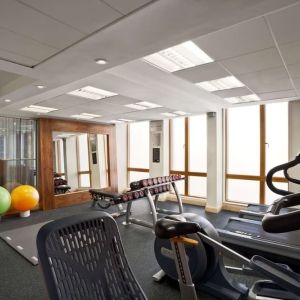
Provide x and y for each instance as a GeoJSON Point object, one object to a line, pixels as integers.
{"type": "Point", "coordinates": [24, 198]}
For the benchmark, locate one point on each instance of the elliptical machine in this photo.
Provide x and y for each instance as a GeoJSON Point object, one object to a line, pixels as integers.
{"type": "Point", "coordinates": [199, 264]}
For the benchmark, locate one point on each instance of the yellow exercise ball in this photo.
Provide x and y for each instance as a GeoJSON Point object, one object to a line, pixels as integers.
{"type": "Point", "coordinates": [24, 198]}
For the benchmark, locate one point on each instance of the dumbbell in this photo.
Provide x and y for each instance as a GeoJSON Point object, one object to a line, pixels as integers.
{"type": "Point", "coordinates": [163, 179]}
{"type": "Point", "coordinates": [167, 178]}
{"type": "Point", "coordinates": [135, 185]}
{"type": "Point", "coordinates": [142, 193]}
{"type": "Point", "coordinates": [155, 182]}
{"type": "Point", "coordinates": [156, 190]}
{"type": "Point", "coordinates": [150, 181]}
{"type": "Point", "coordinates": [164, 188]}
{"type": "Point", "coordinates": [160, 189]}
{"type": "Point", "coordinates": [136, 195]}
{"type": "Point", "coordinates": [159, 180]}
{"type": "Point", "coordinates": [151, 190]}
{"type": "Point", "coordinates": [130, 196]}
{"type": "Point", "coordinates": [168, 187]}
{"type": "Point", "coordinates": [124, 198]}
{"type": "Point", "coordinates": [144, 182]}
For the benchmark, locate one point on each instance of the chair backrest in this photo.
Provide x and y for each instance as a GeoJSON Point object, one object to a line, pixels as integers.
{"type": "Point", "coordinates": [82, 257]}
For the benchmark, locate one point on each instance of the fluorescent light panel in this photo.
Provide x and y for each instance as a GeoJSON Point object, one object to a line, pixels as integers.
{"type": "Point", "coordinates": [115, 121]}
{"type": "Point", "coordinates": [180, 113]}
{"type": "Point", "coordinates": [85, 116]}
{"type": "Point", "coordinates": [224, 83]}
{"type": "Point", "coordinates": [38, 109]}
{"type": "Point", "coordinates": [169, 114]}
{"type": "Point", "coordinates": [182, 56]}
{"type": "Point", "coordinates": [136, 106]}
{"type": "Point", "coordinates": [125, 120]}
{"type": "Point", "coordinates": [241, 99]}
{"type": "Point", "coordinates": [148, 104]}
{"type": "Point", "coordinates": [92, 93]}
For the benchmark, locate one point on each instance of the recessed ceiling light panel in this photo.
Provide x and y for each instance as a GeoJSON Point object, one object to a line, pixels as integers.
{"type": "Point", "coordinates": [136, 106]}
{"type": "Point", "coordinates": [125, 120]}
{"type": "Point", "coordinates": [38, 109]}
{"type": "Point", "coordinates": [92, 93]}
{"type": "Point", "coordinates": [180, 113]}
{"type": "Point", "coordinates": [241, 99]}
{"type": "Point", "coordinates": [7, 100]}
{"type": "Point", "coordinates": [40, 86]}
{"type": "Point", "coordinates": [148, 104]}
{"type": "Point", "coordinates": [182, 56]}
{"type": "Point", "coordinates": [166, 114]}
{"type": "Point", "coordinates": [224, 83]}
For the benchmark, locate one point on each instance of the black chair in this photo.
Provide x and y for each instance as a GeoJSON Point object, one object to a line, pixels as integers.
{"type": "Point", "coordinates": [82, 257]}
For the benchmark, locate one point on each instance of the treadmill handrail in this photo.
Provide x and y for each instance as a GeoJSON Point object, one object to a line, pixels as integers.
{"type": "Point", "coordinates": [274, 222]}
{"type": "Point", "coordinates": [283, 167]}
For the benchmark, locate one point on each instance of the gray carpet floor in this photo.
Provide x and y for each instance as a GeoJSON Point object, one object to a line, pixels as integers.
{"type": "Point", "coordinates": [21, 280]}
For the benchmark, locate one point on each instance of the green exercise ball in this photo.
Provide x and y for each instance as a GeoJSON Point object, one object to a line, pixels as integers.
{"type": "Point", "coordinates": [5, 200]}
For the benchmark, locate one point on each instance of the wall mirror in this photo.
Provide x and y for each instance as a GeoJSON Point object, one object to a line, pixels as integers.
{"type": "Point", "coordinates": [80, 161]}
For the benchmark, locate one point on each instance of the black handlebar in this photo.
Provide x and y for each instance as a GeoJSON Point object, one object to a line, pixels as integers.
{"type": "Point", "coordinates": [276, 223]}
{"type": "Point", "coordinates": [284, 168]}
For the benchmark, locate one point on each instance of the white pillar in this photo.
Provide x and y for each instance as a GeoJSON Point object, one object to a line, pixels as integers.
{"type": "Point", "coordinates": [159, 141]}
{"type": "Point", "coordinates": [121, 138]}
{"type": "Point", "coordinates": [215, 155]}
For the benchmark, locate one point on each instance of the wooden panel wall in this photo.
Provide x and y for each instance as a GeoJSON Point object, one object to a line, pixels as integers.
{"type": "Point", "coordinates": [45, 159]}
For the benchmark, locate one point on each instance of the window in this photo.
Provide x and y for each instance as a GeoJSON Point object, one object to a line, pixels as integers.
{"type": "Point", "coordinates": [256, 140]}
{"type": "Point", "coordinates": [83, 161]}
{"type": "Point", "coordinates": [188, 153]}
{"type": "Point", "coordinates": [17, 152]}
{"type": "Point", "coordinates": [138, 150]}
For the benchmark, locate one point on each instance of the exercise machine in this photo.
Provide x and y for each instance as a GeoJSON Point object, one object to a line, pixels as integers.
{"type": "Point", "coordinates": [201, 265]}
{"type": "Point", "coordinates": [255, 211]}
{"type": "Point", "coordinates": [149, 189]}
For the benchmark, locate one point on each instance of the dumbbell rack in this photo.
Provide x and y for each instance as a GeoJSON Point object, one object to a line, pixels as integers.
{"type": "Point", "coordinates": [154, 210]}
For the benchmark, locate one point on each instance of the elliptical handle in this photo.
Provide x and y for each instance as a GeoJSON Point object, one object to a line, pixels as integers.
{"type": "Point", "coordinates": [273, 222]}
{"type": "Point", "coordinates": [284, 168]}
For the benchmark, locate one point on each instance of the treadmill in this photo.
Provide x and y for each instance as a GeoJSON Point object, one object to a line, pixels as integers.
{"type": "Point", "coordinates": [248, 237]}
{"type": "Point", "coordinates": [257, 211]}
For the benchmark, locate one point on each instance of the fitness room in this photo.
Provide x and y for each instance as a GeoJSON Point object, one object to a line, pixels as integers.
{"type": "Point", "coordinates": [149, 149]}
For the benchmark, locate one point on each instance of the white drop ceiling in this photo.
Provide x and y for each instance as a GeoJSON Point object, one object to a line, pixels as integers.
{"type": "Point", "coordinates": [55, 43]}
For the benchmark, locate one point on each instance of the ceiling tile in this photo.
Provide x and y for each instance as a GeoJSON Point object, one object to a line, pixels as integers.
{"type": "Point", "coordinates": [297, 84]}
{"type": "Point", "coordinates": [237, 40]}
{"type": "Point", "coordinates": [6, 77]}
{"type": "Point", "coordinates": [285, 24]}
{"type": "Point", "coordinates": [120, 100]}
{"type": "Point", "coordinates": [203, 73]}
{"type": "Point", "coordinates": [291, 52]}
{"type": "Point", "coordinates": [102, 107]}
{"type": "Point", "coordinates": [17, 58]}
{"type": "Point", "coordinates": [270, 80]}
{"type": "Point", "coordinates": [294, 70]}
{"type": "Point", "coordinates": [86, 16]}
{"type": "Point", "coordinates": [241, 91]}
{"type": "Point", "coordinates": [64, 101]}
{"type": "Point", "coordinates": [23, 46]}
{"type": "Point", "coordinates": [25, 21]}
{"type": "Point", "coordinates": [257, 61]}
{"type": "Point", "coordinates": [277, 95]}
{"type": "Point", "coordinates": [127, 6]}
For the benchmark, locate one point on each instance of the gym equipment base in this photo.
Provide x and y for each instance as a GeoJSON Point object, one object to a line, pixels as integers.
{"type": "Point", "coordinates": [23, 240]}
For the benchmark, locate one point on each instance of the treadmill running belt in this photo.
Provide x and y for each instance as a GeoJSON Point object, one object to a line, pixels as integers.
{"type": "Point", "coordinates": [250, 234]}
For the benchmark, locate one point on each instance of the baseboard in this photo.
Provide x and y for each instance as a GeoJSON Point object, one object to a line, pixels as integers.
{"type": "Point", "coordinates": [214, 210]}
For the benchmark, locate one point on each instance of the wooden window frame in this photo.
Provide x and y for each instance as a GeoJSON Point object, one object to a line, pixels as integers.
{"type": "Point", "coordinates": [261, 178]}
{"type": "Point", "coordinates": [186, 172]}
